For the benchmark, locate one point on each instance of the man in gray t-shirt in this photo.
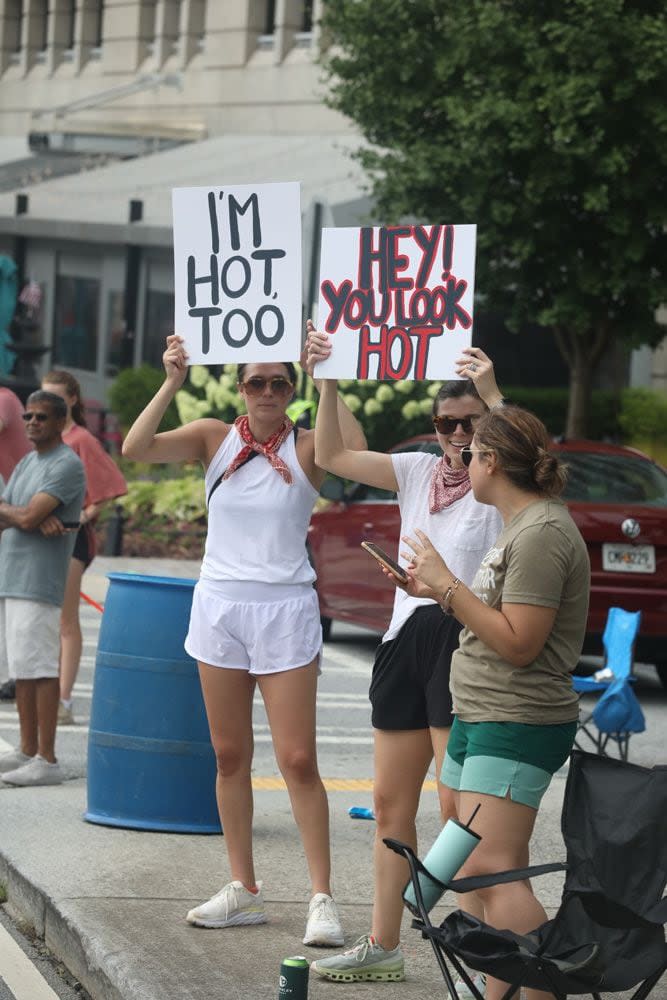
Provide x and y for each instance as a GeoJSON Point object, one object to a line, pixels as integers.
{"type": "Point", "coordinates": [39, 517]}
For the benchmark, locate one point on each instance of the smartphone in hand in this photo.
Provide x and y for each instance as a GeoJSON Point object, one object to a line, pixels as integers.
{"type": "Point", "coordinates": [386, 561]}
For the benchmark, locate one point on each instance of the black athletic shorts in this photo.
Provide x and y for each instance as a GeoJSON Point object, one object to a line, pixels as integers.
{"type": "Point", "coordinates": [410, 683]}
{"type": "Point", "coordinates": [82, 547]}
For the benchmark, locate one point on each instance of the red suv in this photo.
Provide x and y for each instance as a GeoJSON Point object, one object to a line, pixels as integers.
{"type": "Point", "coordinates": [617, 497]}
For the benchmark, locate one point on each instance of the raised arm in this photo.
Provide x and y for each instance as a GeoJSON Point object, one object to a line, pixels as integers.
{"type": "Point", "coordinates": [316, 349]}
{"type": "Point", "coordinates": [370, 467]}
{"type": "Point", "coordinates": [192, 442]}
{"type": "Point", "coordinates": [478, 367]}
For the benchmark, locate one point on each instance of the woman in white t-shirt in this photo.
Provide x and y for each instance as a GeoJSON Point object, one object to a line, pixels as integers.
{"type": "Point", "coordinates": [412, 706]}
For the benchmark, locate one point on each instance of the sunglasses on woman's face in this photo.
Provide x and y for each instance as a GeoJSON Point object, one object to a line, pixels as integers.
{"type": "Point", "coordinates": [40, 417]}
{"type": "Point", "coordinates": [256, 384]}
{"type": "Point", "coordinates": [447, 425]}
{"type": "Point", "coordinates": [467, 453]}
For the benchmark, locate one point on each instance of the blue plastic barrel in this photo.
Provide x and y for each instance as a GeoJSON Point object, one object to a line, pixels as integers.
{"type": "Point", "coordinates": [151, 765]}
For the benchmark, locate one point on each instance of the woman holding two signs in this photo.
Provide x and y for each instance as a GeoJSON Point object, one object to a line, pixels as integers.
{"type": "Point", "coordinates": [409, 692]}
{"type": "Point", "coordinates": [255, 616]}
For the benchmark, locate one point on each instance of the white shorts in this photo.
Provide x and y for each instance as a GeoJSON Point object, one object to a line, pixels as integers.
{"type": "Point", "coordinates": [262, 628]}
{"type": "Point", "coordinates": [29, 639]}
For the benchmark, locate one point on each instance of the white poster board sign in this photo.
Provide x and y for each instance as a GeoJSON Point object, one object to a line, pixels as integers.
{"type": "Point", "coordinates": [397, 302]}
{"type": "Point", "coordinates": [237, 272]}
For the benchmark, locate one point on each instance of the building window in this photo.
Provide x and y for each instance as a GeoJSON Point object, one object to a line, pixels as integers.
{"type": "Point", "coordinates": [99, 25]}
{"type": "Point", "coordinates": [197, 26]}
{"type": "Point", "coordinates": [43, 14]}
{"type": "Point", "coordinates": [14, 23]}
{"type": "Point", "coordinates": [116, 336]}
{"type": "Point", "coordinates": [70, 33]}
{"type": "Point", "coordinates": [307, 17]}
{"type": "Point", "coordinates": [270, 17]}
{"type": "Point", "coordinates": [148, 29]}
{"type": "Point", "coordinates": [158, 325]}
{"type": "Point", "coordinates": [75, 322]}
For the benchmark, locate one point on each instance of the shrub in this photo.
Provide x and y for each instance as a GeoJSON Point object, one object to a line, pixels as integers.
{"type": "Point", "coordinates": [168, 500]}
{"type": "Point", "coordinates": [132, 390]}
{"type": "Point", "coordinates": [388, 411]}
{"type": "Point", "coordinates": [643, 420]}
{"type": "Point", "coordinates": [643, 414]}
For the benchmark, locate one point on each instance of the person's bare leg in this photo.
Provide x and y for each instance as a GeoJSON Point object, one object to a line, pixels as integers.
{"type": "Point", "coordinates": [402, 758]}
{"type": "Point", "coordinates": [26, 706]}
{"type": "Point", "coordinates": [228, 700]}
{"type": "Point", "coordinates": [71, 641]}
{"type": "Point", "coordinates": [439, 739]}
{"type": "Point", "coordinates": [47, 696]}
{"type": "Point", "coordinates": [505, 828]}
{"type": "Point", "coordinates": [289, 698]}
{"type": "Point", "coordinates": [471, 903]}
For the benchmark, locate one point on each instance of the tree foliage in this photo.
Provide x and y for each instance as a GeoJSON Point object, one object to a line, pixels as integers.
{"type": "Point", "coordinates": [543, 122]}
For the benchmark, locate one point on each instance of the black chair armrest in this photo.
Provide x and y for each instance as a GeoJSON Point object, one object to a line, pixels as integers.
{"type": "Point", "coordinates": [462, 885]}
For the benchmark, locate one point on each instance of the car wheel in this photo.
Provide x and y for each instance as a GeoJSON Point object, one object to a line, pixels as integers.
{"type": "Point", "coordinates": [662, 672]}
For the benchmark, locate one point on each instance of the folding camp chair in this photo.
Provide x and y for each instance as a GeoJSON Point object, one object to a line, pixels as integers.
{"type": "Point", "coordinates": [620, 715]}
{"type": "Point", "coordinates": [608, 933]}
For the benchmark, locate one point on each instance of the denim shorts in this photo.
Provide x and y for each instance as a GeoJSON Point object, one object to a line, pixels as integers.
{"type": "Point", "coordinates": [501, 758]}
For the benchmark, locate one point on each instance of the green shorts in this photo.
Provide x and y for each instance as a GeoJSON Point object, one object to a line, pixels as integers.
{"type": "Point", "coordinates": [497, 758]}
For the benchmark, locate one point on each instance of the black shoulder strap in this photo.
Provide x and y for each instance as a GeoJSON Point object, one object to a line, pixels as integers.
{"type": "Point", "coordinates": [253, 454]}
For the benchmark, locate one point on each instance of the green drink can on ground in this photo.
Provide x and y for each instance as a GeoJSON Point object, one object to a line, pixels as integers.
{"type": "Point", "coordinates": [293, 983]}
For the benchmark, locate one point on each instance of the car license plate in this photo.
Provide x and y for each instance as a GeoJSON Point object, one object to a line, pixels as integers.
{"type": "Point", "coordinates": [628, 558]}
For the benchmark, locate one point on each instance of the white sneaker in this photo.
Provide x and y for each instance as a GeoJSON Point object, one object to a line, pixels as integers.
{"type": "Point", "coordinates": [12, 759]}
{"type": "Point", "coordinates": [234, 905]}
{"type": "Point", "coordinates": [323, 928]}
{"type": "Point", "coordinates": [36, 771]}
{"type": "Point", "coordinates": [464, 991]}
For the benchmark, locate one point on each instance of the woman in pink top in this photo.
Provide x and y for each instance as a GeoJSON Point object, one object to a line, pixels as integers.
{"type": "Point", "coordinates": [103, 482]}
{"type": "Point", "coordinates": [14, 443]}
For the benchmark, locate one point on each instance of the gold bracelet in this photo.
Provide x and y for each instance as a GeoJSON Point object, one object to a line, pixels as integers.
{"type": "Point", "coordinates": [446, 599]}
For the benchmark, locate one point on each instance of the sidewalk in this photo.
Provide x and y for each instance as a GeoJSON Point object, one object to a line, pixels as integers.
{"type": "Point", "coordinates": [110, 903]}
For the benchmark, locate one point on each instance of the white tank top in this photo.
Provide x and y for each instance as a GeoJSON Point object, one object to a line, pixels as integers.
{"type": "Point", "coordinates": [257, 522]}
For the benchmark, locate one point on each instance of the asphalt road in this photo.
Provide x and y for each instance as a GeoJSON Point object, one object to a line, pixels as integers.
{"type": "Point", "coordinates": [344, 740]}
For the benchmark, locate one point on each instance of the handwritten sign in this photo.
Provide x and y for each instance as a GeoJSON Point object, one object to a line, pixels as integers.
{"type": "Point", "coordinates": [237, 280]}
{"type": "Point", "coordinates": [397, 302]}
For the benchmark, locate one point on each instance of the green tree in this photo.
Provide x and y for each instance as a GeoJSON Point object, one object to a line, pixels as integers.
{"type": "Point", "coordinates": [544, 122]}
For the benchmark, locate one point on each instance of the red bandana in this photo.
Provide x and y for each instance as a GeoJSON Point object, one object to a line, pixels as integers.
{"type": "Point", "coordinates": [447, 485]}
{"type": "Point", "coordinates": [266, 448]}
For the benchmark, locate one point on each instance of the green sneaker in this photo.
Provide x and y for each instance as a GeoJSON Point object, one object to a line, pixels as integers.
{"type": "Point", "coordinates": [366, 961]}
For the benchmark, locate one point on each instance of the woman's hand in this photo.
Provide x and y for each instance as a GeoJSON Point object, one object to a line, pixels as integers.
{"type": "Point", "coordinates": [89, 513]}
{"type": "Point", "coordinates": [413, 587]}
{"type": "Point", "coordinates": [425, 564]}
{"type": "Point", "coordinates": [317, 348]}
{"type": "Point", "coordinates": [478, 367]}
{"type": "Point", "coordinates": [175, 361]}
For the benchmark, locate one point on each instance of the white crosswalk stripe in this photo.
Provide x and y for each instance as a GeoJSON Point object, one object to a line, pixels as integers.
{"type": "Point", "coordinates": [19, 974]}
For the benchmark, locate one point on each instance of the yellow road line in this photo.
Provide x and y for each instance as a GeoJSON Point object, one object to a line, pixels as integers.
{"type": "Point", "coordinates": [331, 784]}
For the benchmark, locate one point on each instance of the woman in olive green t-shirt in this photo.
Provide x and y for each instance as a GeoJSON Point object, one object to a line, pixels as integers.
{"type": "Point", "coordinates": [524, 621]}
